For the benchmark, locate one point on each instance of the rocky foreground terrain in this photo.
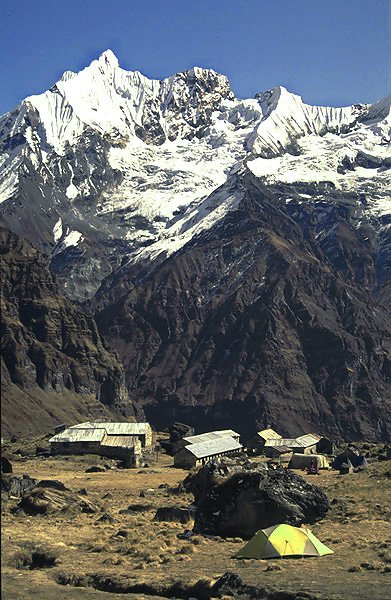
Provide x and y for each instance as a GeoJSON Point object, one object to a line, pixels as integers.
{"type": "Point", "coordinates": [95, 535]}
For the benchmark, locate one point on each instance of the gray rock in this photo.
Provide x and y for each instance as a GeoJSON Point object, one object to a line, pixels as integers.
{"type": "Point", "coordinates": [95, 469]}
{"type": "Point", "coordinates": [247, 501]}
{"type": "Point", "coordinates": [17, 485]}
{"type": "Point", "coordinates": [172, 514]}
{"type": "Point", "coordinates": [6, 465]}
{"type": "Point", "coordinates": [215, 471]}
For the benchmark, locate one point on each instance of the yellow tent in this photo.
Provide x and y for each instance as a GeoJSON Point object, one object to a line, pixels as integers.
{"type": "Point", "coordinates": [283, 540]}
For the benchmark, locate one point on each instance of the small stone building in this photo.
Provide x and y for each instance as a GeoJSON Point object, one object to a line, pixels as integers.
{"type": "Point", "coordinates": [77, 441]}
{"type": "Point", "coordinates": [206, 437]}
{"type": "Point", "coordinates": [257, 442]}
{"type": "Point", "coordinates": [304, 444]}
{"type": "Point", "coordinates": [113, 440]}
{"type": "Point", "coordinates": [281, 453]}
{"type": "Point", "coordinates": [194, 455]}
{"type": "Point", "coordinates": [308, 441]}
{"type": "Point", "coordinates": [141, 431]}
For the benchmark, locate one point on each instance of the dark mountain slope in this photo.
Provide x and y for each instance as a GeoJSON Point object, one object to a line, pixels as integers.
{"type": "Point", "coordinates": [250, 324]}
{"type": "Point", "coordinates": [55, 365]}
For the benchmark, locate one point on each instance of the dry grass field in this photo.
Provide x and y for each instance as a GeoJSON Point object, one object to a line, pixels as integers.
{"type": "Point", "coordinates": [130, 549]}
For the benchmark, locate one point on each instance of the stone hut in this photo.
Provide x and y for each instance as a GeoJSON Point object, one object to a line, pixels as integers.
{"type": "Point", "coordinates": [281, 453]}
{"type": "Point", "coordinates": [206, 437]}
{"type": "Point", "coordinates": [257, 442]}
{"type": "Point", "coordinates": [194, 455]}
{"type": "Point", "coordinates": [141, 431]}
{"type": "Point", "coordinates": [113, 440]}
{"type": "Point", "coordinates": [304, 444]}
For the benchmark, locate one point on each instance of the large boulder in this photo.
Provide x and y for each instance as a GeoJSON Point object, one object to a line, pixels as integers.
{"type": "Point", "coordinates": [177, 432]}
{"type": "Point", "coordinates": [46, 500]}
{"type": "Point", "coordinates": [216, 471]}
{"type": "Point", "coordinates": [248, 501]}
{"type": "Point", "coordinates": [180, 430]}
{"type": "Point", "coordinates": [17, 485]}
{"type": "Point", "coordinates": [350, 456]}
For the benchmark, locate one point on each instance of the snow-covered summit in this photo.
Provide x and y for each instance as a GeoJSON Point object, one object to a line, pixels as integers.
{"type": "Point", "coordinates": [148, 164]}
{"type": "Point", "coordinates": [108, 99]}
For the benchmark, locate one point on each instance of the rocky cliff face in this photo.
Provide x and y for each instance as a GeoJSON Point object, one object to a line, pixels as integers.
{"type": "Point", "coordinates": [54, 361]}
{"type": "Point", "coordinates": [253, 324]}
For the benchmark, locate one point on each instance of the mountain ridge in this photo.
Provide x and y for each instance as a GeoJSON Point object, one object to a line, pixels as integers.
{"type": "Point", "coordinates": [155, 199]}
{"type": "Point", "coordinates": [138, 158]}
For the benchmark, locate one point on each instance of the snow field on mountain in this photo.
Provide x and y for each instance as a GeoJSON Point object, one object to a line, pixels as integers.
{"type": "Point", "coordinates": [174, 144]}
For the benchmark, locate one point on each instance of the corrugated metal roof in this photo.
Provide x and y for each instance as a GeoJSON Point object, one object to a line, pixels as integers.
{"type": "Point", "coordinates": [210, 435]}
{"type": "Point", "coordinates": [304, 441]}
{"type": "Point", "coordinates": [120, 441]}
{"type": "Point", "coordinates": [79, 435]}
{"type": "Point", "coordinates": [212, 447]}
{"type": "Point", "coordinates": [282, 449]}
{"type": "Point", "coordinates": [283, 442]}
{"type": "Point", "coordinates": [309, 439]}
{"type": "Point", "coordinates": [115, 428]}
{"type": "Point", "coordinates": [269, 434]}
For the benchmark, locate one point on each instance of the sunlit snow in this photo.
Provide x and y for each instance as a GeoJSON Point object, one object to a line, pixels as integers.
{"type": "Point", "coordinates": [180, 184]}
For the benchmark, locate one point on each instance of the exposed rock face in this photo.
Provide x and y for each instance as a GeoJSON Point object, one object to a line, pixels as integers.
{"type": "Point", "coordinates": [216, 472]}
{"type": "Point", "coordinates": [259, 323]}
{"type": "Point", "coordinates": [50, 350]}
{"type": "Point", "coordinates": [248, 501]}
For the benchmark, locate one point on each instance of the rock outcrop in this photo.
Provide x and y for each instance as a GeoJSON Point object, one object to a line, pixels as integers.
{"type": "Point", "coordinates": [248, 501]}
{"type": "Point", "coordinates": [215, 472]}
{"type": "Point", "coordinates": [260, 322]}
{"type": "Point", "coordinates": [47, 499]}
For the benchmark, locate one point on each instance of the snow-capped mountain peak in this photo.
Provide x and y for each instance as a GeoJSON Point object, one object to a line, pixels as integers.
{"type": "Point", "coordinates": [148, 164]}
{"type": "Point", "coordinates": [109, 58]}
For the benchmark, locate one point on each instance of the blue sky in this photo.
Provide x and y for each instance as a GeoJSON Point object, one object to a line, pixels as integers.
{"type": "Point", "coordinates": [333, 52]}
